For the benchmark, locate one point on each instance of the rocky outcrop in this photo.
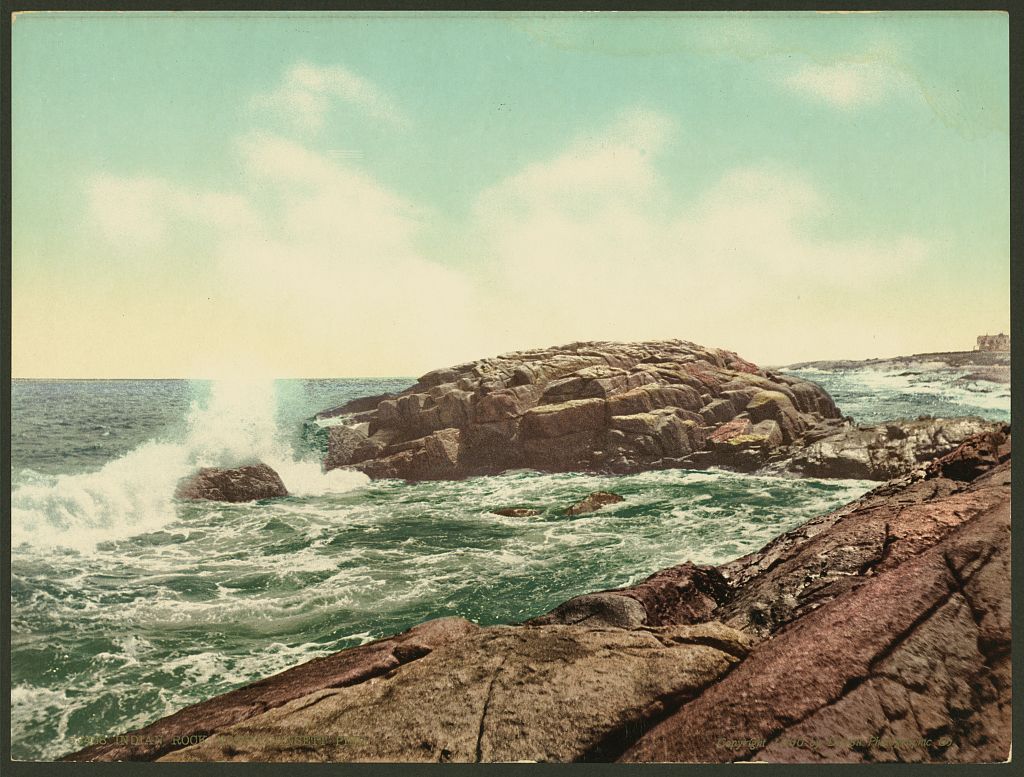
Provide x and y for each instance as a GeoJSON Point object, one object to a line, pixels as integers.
{"type": "Point", "coordinates": [878, 632]}
{"type": "Point", "coordinates": [887, 450]}
{"type": "Point", "coordinates": [917, 362]}
{"type": "Point", "coordinates": [241, 484]}
{"type": "Point", "coordinates": [620, 408]}
{"type": "Point", "coordinates": [602, 407]}
{"type": "Point", "coordinates": [682, 594]}
{"type": "Point", "coordinates": [884, 628]}
{"type": "Point", "coordinates": [912, 664]}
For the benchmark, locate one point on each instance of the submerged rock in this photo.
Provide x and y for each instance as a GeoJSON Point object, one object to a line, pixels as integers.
{"type": "Point", "coordinates": [516, 512]}
{"type": "Point", "coordinates": [592, 502]}
{"type": "Point", "coordinates": [241, 484]}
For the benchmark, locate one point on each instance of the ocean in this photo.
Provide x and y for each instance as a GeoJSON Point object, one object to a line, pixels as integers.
{"type": "Point", "coordinates": [127, 605]}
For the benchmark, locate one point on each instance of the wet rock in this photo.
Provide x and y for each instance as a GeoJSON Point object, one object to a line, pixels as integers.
{"type": "Point", "coordinates": [592, 502]}
{"type": "Point", "coordinates": [610, 609]}
{"type": "Point", "coordinates": [240, 484]}
{"type": "Point", "coordinates": [684, 594]}
{"type": "Point", "coordinates": [342, 444]}
{"type": "Point", "coordinates": [887, 450]}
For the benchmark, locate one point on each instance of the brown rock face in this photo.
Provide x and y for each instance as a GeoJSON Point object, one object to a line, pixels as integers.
{"type": "Point", "coordinates": [878, 632]}
{"type": "Point", "coordinates": [241, 484]}
{"type": "Point", "coordinates": [349, 667]}
{"type": "Point", "coordinates": [343, 444]}
{"type": "Point", "coordinates": [619, 408]}
{"type": "Point", "coordinates": [537, 693]}
{"type": "Point", "coordinates": [602, 407]}
{"type": "Point", "coordinates": [887, 450]}
{"type": "Point", "coordinates": [917, 657]}
{"type": "Point", "coordinates": [885, 632]}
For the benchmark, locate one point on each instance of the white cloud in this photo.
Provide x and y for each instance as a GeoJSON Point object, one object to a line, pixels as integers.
{"type": "Point", "coordinates": [307, 92]}
{"type": "Point", "coordinates": [138, 211]}
{"type": "Point", "coordinates": [591, 245]}
{"type": "Point", "coordinates": [846, 85]}
{"type": "Point", "coordinates": [312, 268]}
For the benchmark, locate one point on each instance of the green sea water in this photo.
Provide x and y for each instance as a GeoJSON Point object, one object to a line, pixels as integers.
{"type": "Point", "coordinates": [128, 605]}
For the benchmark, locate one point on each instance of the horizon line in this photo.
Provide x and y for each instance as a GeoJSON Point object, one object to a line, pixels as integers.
{"type": "Point", "coordinates": [417, 377]}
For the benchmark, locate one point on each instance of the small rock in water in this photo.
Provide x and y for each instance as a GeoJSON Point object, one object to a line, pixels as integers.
{"type": "Point", "coordinates": [516, 512]}
{"type": "Point", "coordinates": [593, 502]}
{"type": "Point", "coordinates": [241, 484]}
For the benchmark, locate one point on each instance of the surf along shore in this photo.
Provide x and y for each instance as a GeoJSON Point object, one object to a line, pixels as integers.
{"type": "Point", "coordinates": [877, 632]}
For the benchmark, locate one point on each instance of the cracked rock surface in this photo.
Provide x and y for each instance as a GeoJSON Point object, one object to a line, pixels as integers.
{"type": "Point", "coordinates": [539, 693]}
{"type": "Point", "coordinates": [346, 667]}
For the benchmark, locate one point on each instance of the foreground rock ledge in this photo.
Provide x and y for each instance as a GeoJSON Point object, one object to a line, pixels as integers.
{"type": "Point", "coordinates": [878, 632]}
{"type": "Point", "coordinates": [619, 408]}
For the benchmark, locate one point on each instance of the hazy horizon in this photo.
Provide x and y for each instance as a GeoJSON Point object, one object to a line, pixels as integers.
{"type": "Point", "coordinates": [204, 195]}
{"type": "Point", "coordinates": [417, 375]}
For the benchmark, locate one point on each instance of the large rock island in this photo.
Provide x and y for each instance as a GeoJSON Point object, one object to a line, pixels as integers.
{"type": "Point", "coordinates": [877, 632]}
{"type": "Point", "coordinates": [622, 408]}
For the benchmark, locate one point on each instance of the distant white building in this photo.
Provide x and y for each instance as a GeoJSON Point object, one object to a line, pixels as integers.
{"type": "Point", "coordinates": [999, 342]}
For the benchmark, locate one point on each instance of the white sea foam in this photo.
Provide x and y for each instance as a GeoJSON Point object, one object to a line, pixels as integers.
{"type": "Point", "coordinates": [134, 494]}
{"type": "Point", "coordinates": [865, 391]}
{"type": "Point", "coordinates": [306, 478]}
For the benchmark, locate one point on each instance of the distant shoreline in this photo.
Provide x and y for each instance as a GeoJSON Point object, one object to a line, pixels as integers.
{"type": "Point", "coordinates": [952, 358]}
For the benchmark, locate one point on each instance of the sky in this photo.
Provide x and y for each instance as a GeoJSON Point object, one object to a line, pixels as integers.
{"type": "Point", "coordinates": [371, 194]}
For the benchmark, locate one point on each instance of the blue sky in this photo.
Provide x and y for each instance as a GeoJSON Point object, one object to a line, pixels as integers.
{"type": "Point", "coordinates": [375, 194]}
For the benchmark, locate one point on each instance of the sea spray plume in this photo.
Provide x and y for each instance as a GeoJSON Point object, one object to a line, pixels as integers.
{"type": "Point", "coordinates": [231, 421]}
{"type": "Point", "coordinates": [236, 424]}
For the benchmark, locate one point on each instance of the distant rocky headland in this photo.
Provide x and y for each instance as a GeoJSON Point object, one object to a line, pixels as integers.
{"type": "Point", "coordinates": [622, 408]}
{"type": "Point", "coordinates": [983, 365]}
{"type": "Point", "coordinates": [877, 632]}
